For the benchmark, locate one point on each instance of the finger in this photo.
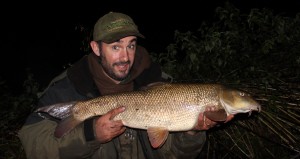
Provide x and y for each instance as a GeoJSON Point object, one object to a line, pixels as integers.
{"type": "Point", "coordinates": [115, 112]}
{"type": "Point", "coordinates": [118, 123]}
{"type": "Point", "coordinates": [112, 134]}
{"type": "Point", "coordinates": [118, 132]}
{"type": "Point", "coordinates": [229, 117]}
{"type": "Point", "coordinates": [201, 122]}
{"type": "Point", "coordinates": [210, 108]}
{"type": "Point", "coordinates": [116, 129]}
{"type": "Point", "coordinates": [209, 122]}
{"type": "Point", "coordinates": [122, 130]}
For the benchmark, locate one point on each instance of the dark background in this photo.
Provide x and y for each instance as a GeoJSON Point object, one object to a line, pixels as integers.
{"type": "Point", "coordinates": [41, 37]}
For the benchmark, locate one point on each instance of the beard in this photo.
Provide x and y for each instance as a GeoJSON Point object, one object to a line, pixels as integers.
{"type": "Point", "coordinates": [108, 69]}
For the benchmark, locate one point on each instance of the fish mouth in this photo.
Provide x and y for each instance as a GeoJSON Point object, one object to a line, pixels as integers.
{"type": "Point", "coordinates": [259, 108]}
{"type": "Point", "coordinates": [256, 107]}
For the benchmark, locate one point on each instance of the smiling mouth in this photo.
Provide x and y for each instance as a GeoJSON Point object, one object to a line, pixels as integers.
{"type": "Point", "coordinates": [122, 67]}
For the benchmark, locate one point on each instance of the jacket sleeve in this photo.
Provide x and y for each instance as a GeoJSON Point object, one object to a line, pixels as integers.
{"type": "Point", "coordinates": [39, 142]}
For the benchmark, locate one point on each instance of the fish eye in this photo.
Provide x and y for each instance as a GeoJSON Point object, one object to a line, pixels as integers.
{"type": "Point", "coordinates": [242, 94]}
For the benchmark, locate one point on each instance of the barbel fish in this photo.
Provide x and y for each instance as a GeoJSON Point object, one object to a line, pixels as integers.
{"type": "Point", "coordinates": [159, 108]}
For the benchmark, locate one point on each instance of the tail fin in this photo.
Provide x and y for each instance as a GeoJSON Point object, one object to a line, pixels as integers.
{"type": "Point", "coordinates": [58, 110]}
{"type": "Point", "coordinates": [66, 126]}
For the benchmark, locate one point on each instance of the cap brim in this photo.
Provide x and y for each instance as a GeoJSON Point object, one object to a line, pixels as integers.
{"type": "Point", "coordinates": [117, 36]}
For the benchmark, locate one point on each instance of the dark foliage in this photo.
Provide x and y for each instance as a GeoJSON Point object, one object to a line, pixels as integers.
{"type": "Point", "coordinates": [14, 110]}
{"type": "Point", "coordinates": [258, 52]}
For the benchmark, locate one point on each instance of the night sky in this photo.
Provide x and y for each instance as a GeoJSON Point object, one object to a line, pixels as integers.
{"type": "Point", "coordinates": [42, 36]}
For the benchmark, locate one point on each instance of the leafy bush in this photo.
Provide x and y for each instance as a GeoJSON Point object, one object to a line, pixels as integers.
{"type": "Point", "coordinates": [259, 47]}
{"type": "Point", "coordinates": [258, 52]}
{"type": "Point", "coordinates": [14, 110]}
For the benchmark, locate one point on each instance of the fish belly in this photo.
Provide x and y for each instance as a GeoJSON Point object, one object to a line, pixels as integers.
{"type": "Point", "coordinates": [180, 118]}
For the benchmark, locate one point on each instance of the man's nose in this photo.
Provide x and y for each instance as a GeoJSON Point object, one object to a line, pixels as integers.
{"type": "Point", "coordinates": [124, 55]}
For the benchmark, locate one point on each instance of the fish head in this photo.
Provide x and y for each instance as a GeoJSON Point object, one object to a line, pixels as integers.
{"type": "Point", "coordinates": [237, 101]}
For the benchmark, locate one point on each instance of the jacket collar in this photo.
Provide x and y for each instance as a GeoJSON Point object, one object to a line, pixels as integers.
{"type": "Point", "coordinates": [79, 74]}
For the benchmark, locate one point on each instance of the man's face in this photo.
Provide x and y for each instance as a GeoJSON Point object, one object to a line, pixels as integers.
{"type": "Point", "coordinates": [117, 58]}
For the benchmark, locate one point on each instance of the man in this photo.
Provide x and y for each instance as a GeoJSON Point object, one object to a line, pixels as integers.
{"type": "Point", "coordinates": [117, 64]}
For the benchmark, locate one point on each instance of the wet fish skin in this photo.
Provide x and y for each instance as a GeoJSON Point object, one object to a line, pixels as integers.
{"type": "Point", "coordinates": [160, 108]}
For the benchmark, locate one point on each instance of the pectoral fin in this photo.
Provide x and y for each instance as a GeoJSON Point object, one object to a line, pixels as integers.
{"type": "Point", "coordinates": [157, 136]}
{"type": "Point", "coordinates": [218, 115]}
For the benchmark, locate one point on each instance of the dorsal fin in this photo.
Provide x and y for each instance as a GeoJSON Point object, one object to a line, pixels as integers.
{"type": "Point", "coordinates": [151, 85]}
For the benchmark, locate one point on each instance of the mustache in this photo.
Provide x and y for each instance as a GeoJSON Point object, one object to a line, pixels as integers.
{"type": "Point", "coordinates": [121, 63]}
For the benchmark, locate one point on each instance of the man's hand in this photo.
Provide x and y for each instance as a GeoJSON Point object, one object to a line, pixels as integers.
{"type": "Point", "coordinates": [205, 123]}
{"type": "Point", "coordinates": [106, 128]}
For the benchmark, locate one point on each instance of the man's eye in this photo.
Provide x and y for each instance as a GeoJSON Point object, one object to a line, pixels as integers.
{"type": "Point", "coordinates": [131, 46]}
{"type": "Point", "coordinates": [115, 47]}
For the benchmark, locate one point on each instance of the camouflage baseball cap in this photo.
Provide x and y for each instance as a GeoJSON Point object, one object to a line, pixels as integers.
{"type": "Point", "coordinates": [114, 26]}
